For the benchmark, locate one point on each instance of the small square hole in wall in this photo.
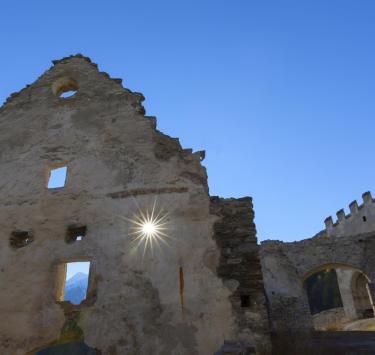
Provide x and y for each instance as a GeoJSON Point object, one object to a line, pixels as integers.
{"type": "Point", "coordinates": [364, 218]}
{"type": "Point", "coordinates": [75, 233]}
{"type": "Point", "coordinates": [245, 301]}
{"type": "Point", "coordinates": [20, 239]}
{"type": "Point", "coordinates": [74, 280]}
{"type": "Point", "coordinates": [57, 177]}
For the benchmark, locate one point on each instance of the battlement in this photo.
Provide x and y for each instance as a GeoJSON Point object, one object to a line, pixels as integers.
{"type": "Point", "coordinates": [361, 218]}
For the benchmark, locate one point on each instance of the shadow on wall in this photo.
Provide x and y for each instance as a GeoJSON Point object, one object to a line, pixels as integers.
{"type": "Point", "coordinates": [338, 297]}
{"type": "Point", "coordinates": [323, 291]}
{"type": "Point", "coordinates": [71, 348]}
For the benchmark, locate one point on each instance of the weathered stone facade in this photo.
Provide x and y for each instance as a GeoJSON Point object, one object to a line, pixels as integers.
{"type": "Point", "coordinates": [200, 290]}
{"type": "Point", "coordinates": [286, 266]}
{"type": "Point", "coordinates": [180, 298]}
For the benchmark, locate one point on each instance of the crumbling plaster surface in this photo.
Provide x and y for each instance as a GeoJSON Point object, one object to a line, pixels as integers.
{"type": "Point", "coordinates": [117, 162]}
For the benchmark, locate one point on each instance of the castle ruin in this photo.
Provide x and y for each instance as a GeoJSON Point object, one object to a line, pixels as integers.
{"type": "Point", "coordinates": [322, 287]}
{"type": "Point", "coordinates": [197, 288]}
{"type": "Point", "coordinates": [172, 270]}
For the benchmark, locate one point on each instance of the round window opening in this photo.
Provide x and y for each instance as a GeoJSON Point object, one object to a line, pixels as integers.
{"type": "Point", "coordinates": [65, 87]}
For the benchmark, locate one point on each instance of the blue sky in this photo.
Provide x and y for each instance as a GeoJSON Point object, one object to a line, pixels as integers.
{"type": "Point", "coordinates": [280, 94]}
{"type": "Point", "coordinates": [78, 266]}
{"type": "Point", "coordinates": [57, 177]}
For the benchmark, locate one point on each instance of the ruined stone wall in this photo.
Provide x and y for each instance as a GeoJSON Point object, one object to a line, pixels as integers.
{"type": "Point", "coordinates": [286, 265]}
{"type": "Point", "coordinates": [331, 319]}
{"type": "Point", "coordinates": [288, 304]}
{"type": "Point", "coordinates": [172, 300]}
{"type": "Point", "coordinates": [239, 268]}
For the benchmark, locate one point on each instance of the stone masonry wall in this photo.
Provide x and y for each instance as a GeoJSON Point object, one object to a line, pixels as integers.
{"type": "Point", "coordinates": [167, 300]}
{"type": "Point", "coordinates": [239, 268]}
{"type": "Point", "coordinates": [286, 265]}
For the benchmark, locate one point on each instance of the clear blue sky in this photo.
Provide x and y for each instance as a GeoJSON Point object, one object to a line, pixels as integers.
{"type": "Point", "coordinates": [75, 267]}
{"type": "Point", "coordinates": [279, 93]}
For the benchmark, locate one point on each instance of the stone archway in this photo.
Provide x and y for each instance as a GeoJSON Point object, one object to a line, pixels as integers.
{"type": "Point", "coordinates": [338, 294]}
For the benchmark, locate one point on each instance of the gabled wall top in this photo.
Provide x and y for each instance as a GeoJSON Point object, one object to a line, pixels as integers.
{"type": "Point", "coordinates": [81, 69]}
{"type": "Point", "coordinates": [37, 123]}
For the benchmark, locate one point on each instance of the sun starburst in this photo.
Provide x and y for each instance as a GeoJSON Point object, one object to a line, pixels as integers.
{"type": "Point", "coordinates": [149, 228]}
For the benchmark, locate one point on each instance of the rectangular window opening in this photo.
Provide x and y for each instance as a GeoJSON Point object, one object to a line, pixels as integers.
{"type": "Point", "coordinates": [75, 280]}
{"type": "Point", "coordinates": [245, 301]}
{"type": "Point", "coordinates": [57, 176]}
{"type": "Point", "coordinates": [75, 233]}
{"type": "Point", "coordinates": [19, 239]}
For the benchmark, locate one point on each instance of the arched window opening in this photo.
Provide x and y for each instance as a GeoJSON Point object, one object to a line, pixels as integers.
{"type": "Point", "coordinates": [65, 87]}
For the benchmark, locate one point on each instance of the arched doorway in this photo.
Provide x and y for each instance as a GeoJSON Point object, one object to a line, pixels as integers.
{"type": "Point", "coordinates": [338, 296]}
{"type": "Point", "coordinates": [323, 291]}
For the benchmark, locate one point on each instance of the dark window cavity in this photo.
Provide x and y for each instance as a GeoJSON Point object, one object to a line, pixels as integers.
{"type": "Point", "coordinates": [75, 233]}
{"type": "Point", "coordinates": [245, 301]}
{"type": "Point", "coordinates": [19, 239]}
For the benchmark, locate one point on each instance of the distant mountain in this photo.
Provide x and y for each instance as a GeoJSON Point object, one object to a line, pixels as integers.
{"type": "Point", "coordinates": [76, 288]}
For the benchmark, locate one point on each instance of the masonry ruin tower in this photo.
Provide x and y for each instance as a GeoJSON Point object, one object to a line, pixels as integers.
{"type": "Point", "coordinates": [172, 270]}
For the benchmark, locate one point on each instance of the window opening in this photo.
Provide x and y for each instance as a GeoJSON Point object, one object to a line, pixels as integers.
{"type": "Point", "coordinates": [364, 218]}
{"type": "Point", "coordinates": [75, 234]}
{"type": "Point", "coordinates": [19, 239]}
{"type": "Point", "coordinates": [67, 94]}
{"type": "Point", "coordinates": [245, 301]}
{"type": "Point", "coordinates": [57, 177]}
{"type": "Point", "coordinates": [65, 87]}
{"type": "Point", "coordinates": [76, 277]}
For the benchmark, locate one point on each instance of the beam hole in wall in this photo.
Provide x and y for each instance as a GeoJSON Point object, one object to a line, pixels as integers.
{"type": "Point", "coordinates": [75, 233]}
{"type": "Point", "coordinates": [65, 87]}
{"type": "Point", "coordinates": [73, 281]}
{"type": "Point", "coordinates": [56, 176]}
{"type": "Point", "coordinates": [19, 239]}
{"type": "Point", "coordinates": [364, 218]}
{"type": "Point", "coordinates": [245, 301]}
